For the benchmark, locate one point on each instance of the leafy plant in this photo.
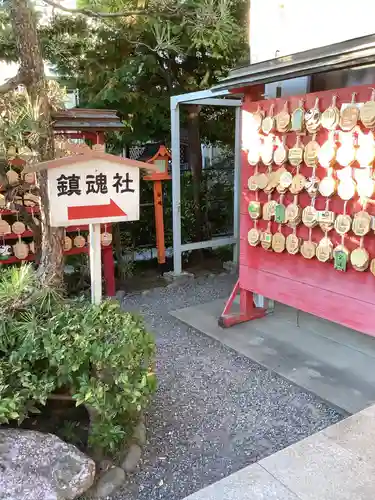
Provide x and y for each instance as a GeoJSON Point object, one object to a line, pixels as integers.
{"type": "Point", "coordinates": [69, 432]}
{"type": "Point", "coordinates": [99, 355]}
{"type": "Point", "coordinates": [217, 207]}
{"type": "Point", "coordinates": [77, 274]}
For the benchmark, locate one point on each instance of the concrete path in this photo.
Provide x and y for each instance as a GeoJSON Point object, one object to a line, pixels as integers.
{"type": "Point", "coordinates": [337, 463]}
{"type": "Point", "coordinates": [336, 363]}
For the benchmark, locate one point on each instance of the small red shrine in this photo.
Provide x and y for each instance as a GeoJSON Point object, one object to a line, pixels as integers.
{"type": "Point", "coordinates": [160, 160]}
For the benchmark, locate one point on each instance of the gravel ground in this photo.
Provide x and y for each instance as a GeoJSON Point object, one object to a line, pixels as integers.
{"type": "Point", "coordinates": [215, 411]}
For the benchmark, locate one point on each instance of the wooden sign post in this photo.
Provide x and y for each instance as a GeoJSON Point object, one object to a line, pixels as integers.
{"type": "Point", "coordinates": [93, 188]}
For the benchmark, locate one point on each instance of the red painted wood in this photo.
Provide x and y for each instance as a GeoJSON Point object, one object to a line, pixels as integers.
{"type": "Point", "coordinates": [95, 211]}
{"type": "Point", "coordinates": [320, 275]}
{"type": "Point", "coordinates": [309, 285]}
{"type": "Point", "coordinates": [333, 306]}
{"type": "Point", "coordinates": [29, 234]}
{"type": "Point", "coordinates": [31, 256]}
{"type": "Point", "coordinates": [109, 271]}
{"type": "Point", "coordinates": [14, 260]}
{"type": "Point", "coordinates": [107, 257]}
{"type": "Point", "coordinates": [12, 236]}
{"type": "Point", "coordinates": [108, 265]}
{"type": "Point", "coordinates": [237, 318]}
{"type": "Point", "coordinates": [30, 210]}
{"type": "Point", "coordinates": [248, 311]}
{"type": "Point", "coordinates": [99, 136]}
{"type": "Point", "coordinates": [232, 296]}
{"type": "Point", "coordinates": [159, 221]}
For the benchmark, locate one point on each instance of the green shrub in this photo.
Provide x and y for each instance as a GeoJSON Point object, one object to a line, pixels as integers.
{"type": "Point", "coordinates": [99, 355]}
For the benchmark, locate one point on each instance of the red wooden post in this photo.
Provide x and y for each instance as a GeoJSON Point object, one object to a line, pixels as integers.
{"type": "Point", "coordinates": [100, 138]}
{"type": "Point", "coordinates": [159, 222]}
{"type": "Point", "coordinates": [109, 271]}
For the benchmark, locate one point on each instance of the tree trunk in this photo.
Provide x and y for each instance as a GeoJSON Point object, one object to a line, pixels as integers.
{"type": "Point", "coordinates": [195, 164]}
{"type": "Point", "coordinates": [51, 266]}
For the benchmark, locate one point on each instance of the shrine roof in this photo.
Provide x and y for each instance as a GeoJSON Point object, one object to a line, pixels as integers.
{"type": "Point", "coordinates": [150, 150]}
{"type": "Point", "coordinates": [152, 153]}
{"type": "Point", "coordinates": [79, 119]}
{"type": "Point", "coordinates": [348, 54]}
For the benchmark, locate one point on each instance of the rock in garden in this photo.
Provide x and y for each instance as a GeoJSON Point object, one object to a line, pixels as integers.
{"type": "Point", "coordinates": [230, 266]}
{"type": "Point", "coordinates": [104, 465]}
{"type": "Point", "coordinates": [132, 458]}
{"type": "Point", "coordinates": [120, 294]}
{"type": "Point", "coordinates": [41, 466]}
{"type": "Point", "coordinates": [140, 433]}
{"type": "Point", "coordinates": [108, 483]}
{"type": "Point", "coordinates": [179, 279]}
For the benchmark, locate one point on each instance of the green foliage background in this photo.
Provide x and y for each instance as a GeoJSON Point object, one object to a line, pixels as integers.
{"type": "Point", "coordinates": [134, 64]}
{"type": "Point", "coordinates": [217, 208]}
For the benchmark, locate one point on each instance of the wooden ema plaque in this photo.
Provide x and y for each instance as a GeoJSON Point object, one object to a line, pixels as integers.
{"type": "Point", "coordinates": [347, 298]}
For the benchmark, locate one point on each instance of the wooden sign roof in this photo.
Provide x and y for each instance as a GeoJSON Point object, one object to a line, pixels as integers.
{"type": "Point", "coordinates": [87, 156]}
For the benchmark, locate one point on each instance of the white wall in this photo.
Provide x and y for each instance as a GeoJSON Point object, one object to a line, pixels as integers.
{"type": "Point", "coordinates": [291, 26]}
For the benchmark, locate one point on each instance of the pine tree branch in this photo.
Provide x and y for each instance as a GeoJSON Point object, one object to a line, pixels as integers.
{"type": "Point", "coordinates": [106, 15]}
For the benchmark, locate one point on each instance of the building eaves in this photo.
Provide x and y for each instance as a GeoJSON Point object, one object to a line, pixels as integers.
{"type": "Point", "coordinates": [348, 54]}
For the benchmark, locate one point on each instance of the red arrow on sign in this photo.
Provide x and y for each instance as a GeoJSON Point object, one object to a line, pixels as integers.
{"type": "Point", "coordinates": [95, 211]}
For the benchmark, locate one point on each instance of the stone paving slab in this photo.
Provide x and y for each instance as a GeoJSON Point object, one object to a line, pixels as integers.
{"type": "Point", "coordinates": [356, 434]}
{"type": "Point", "coordinates": [337, 463]}
{"type": "Point", "coordinates": [319, 468]}
{"type": "Point", "coordinates": [251, 483]}
{"type": "Point", "coordinates": [334, 362]}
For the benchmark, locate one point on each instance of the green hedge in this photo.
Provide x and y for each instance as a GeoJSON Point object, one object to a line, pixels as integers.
{"type": "Point", "coordinates": [99, 355]}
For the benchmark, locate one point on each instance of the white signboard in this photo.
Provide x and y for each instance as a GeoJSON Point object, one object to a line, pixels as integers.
{"type": "Point", "coordinates": [93, 191]}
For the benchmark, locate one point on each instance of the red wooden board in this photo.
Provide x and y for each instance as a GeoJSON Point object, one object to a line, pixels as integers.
{"type": "Point", "coordinates": [31, 256]}
{"type": "Point", "coordinates": [309, 285]}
